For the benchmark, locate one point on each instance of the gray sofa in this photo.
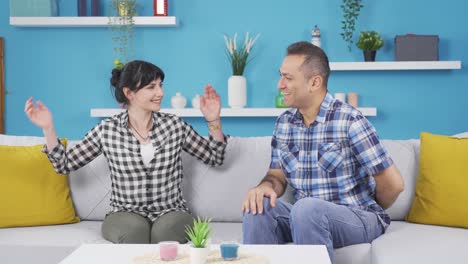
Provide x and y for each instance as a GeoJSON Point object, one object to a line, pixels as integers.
{"type": "Point", "coordinates": [218, 193]}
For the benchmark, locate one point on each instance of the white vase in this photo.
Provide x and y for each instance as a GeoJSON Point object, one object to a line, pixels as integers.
{"type": "Point", "coordinates": [237, 91]}
{"type": "Point", "coordinates": [178, 101]}
{"type": "Point", "coordinates": [198, 255]}
{"type": "Point", "coordinates": [196, 101]}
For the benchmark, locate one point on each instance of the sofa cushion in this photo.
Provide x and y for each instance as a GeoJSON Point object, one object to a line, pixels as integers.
{"type": "Point", "coordinates": [32, 192]}
{"type": "Point", "coordinates": [414, 243]}
{"type": "Point", "coordinates": [218, 192]}
{"type": "Point", "coordinates": [232, 232]}
{"type": "Point", "coordinates": [9, 140]}
{"type": "Point", "coordinates": [34, 254]}
{"type": "Point", "coordinates": [354, 254]}
{"type": "Point", "coordinates": [70, 235]}
{"type": "Point", "coordinates": [214, 192]}
{"type": "Point", "coordinates": [462, 135]}
{"type": "Point", "coordinates": [441, 186]}
{"type": "Point", "coordinates": [406, 160]}
{"type": "Point", "coordinates": [91, 189]}
{"type": "Point", "coordinates": [226, 232]}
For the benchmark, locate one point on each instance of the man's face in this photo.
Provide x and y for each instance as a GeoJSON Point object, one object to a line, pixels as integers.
{"type": "Point", "coordinates": [293, 84]}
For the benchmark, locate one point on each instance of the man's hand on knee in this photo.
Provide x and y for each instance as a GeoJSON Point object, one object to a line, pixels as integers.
{"type": "Point", "coordinates": [253, 201]}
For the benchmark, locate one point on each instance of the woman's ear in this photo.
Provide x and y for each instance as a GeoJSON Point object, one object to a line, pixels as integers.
{"type": "Point", "coordinates": [128, 93]}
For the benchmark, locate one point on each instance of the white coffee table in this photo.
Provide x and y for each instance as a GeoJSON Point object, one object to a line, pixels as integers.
{"type": "Point", "coordinates": [125, 253]}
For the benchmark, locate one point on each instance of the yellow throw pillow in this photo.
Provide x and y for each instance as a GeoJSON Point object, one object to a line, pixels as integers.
{"type": "Point", "coordinates": [31, 192]}
{"type": "Point", "coordinates": [441, 190]}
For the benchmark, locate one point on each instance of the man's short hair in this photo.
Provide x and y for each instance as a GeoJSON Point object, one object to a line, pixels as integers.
{"type": "Point", "coordinates": [315, 60]}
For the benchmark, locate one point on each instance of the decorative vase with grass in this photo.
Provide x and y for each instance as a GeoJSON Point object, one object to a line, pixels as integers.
{"type": "Point", "coordinates": [238, 57]}
{"type": "Point", "coordinates": [369, 42]}
{"type": "Point", "coordinates": [198, 235]}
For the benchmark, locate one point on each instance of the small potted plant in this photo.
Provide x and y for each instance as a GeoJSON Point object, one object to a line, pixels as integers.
{"type": "Point", "coordinates": [369, 42]}
{"type": "Point", "coordinates": [199, 234]}
{"type": "Point", "coordinates": [125, 8]}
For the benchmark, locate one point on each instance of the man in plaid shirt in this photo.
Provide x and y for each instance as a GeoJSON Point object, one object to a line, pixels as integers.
{"type": "Point", "coordinates": [331, 156]}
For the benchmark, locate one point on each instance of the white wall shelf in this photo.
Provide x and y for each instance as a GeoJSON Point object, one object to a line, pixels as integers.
{"type": "Point", "coordinates": [89, 21]}
{"type": "Point", "coordinates": [225, 112]}
{"type": "Point", "coordinates": [395, 65]}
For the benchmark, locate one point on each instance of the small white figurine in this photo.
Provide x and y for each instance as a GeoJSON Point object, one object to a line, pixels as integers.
{"type": "Point", "coordinates": [316, 37]}
{"type": "Point", "coordinates": [196, 101]}
{"type": "Point", "coordinates": [178, 101]}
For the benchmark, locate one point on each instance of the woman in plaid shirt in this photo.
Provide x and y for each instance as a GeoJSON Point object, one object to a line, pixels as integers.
{"type": "Point", "coordinates": [143, 147]}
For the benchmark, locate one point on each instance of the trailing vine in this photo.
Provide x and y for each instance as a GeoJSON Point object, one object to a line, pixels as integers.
{"type": "Point", "coordinates": [122, 24]}
{"type": "Point", "coordinates": [351, 9]}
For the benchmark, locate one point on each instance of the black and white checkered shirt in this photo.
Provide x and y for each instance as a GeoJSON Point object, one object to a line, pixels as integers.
{"type": "Point", "coordinates": [149, 191]}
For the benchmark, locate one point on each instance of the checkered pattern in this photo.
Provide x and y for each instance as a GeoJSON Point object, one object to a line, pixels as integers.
{"type": "Point", "coordinates": [334, 158]}
{"type": "Point", "coordinates": [149, 191]}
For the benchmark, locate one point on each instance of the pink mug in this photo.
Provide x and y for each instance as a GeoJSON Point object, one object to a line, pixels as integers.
{"type": "Point", "coordinates": [353, 99]}
{"type": "Point", "coordinates": [168, 250]}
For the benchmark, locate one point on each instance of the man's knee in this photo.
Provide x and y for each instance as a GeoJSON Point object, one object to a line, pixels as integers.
{"type": "Point", "coordinates": [309, 211]}
{"type": "Point", "coordinates": [266, 209]}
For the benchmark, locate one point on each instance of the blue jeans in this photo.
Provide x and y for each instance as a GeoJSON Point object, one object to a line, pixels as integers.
{"type": "Point", "coordinates": [311, 221]}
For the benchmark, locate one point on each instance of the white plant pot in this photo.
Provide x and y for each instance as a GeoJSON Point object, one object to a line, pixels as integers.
{"type": "Point", "coordinates": [198, 255]}
{"type": "Point", "coordinates": [237, 91]}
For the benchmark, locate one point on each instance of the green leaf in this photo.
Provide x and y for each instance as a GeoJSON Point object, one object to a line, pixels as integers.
{"type": "Point", "coordinates": [369, 40]}
{"type": "Point", "coordinates": [351, 11]}
{"type": "Point", "coordinates": [199, 232]}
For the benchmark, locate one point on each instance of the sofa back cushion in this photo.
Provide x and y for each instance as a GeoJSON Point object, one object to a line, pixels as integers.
{"type": "Point", "coordinates": [215, 192]}
{"type": "Point", "coordinates": [90, 189]}
{"type": "Point", "coordinates": [405, 154]}
{"type": "Point", "coordinates": [218, 192]}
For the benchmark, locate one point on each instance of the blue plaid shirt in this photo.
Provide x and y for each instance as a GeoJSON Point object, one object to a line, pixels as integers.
{"type": "Point", "coordinates": [334, 158]}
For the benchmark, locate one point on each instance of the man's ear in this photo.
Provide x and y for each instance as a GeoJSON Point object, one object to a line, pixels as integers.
{"type": "Point", "coordinates": [128, 93]}
{"type": "Point", "coordinates": [315, 82]}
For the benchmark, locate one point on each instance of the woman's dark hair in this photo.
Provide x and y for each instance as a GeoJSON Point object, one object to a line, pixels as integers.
{"type": "Point", "coordinates": [134, 75]}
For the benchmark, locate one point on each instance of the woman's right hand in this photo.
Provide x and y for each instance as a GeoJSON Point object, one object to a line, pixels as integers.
{"type": "Point", "coordinates": [38, 114]}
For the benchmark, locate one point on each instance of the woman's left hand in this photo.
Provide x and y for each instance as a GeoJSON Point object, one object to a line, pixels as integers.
{"type": "Point", "coordinates": [210, 104]}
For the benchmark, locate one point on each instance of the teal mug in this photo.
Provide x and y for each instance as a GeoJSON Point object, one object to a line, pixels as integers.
{"type": "Point", "coordinates": [229, 251]}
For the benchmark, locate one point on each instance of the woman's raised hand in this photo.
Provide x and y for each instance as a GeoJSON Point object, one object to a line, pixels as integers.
{"type": "Point", "coordinates": [38, 114]}
{"type": "Point", "coordinates": [210, 104]}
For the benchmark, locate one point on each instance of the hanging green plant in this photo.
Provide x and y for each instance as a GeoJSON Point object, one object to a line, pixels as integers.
{"type": "Point", "coordinates": [122, 24]}
{"type": "Point", "coordinates": [351, 9]}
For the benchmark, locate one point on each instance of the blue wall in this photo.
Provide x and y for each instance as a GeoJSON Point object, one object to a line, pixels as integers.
{"type": "Point", "coordinates": [69, 68]}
